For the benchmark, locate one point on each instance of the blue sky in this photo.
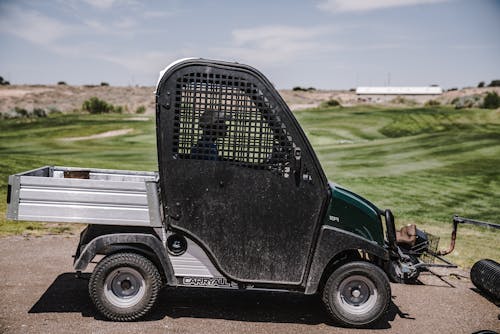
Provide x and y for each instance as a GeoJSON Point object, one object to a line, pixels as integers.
{"type": "Point", "coordinates": [324, 43]}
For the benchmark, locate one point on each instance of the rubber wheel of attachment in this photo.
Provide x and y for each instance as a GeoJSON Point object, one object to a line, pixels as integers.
{"type": "Point", "coordinates": [356, 315]}
{"type": "Point", "coordinates": [145, 276]}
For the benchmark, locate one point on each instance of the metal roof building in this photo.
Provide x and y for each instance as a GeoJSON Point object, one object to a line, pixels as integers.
{"type": "Point", "coordinates": [430, 90]}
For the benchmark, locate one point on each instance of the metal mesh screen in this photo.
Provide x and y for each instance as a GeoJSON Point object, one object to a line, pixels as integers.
{"type": "Point", "coordinates": [227, 118]}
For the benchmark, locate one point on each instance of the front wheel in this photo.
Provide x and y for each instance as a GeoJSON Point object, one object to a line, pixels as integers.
{"type": "Point", "coordinates": [357, 294]}
{"type": "Point", "coordinates": [124, 286]}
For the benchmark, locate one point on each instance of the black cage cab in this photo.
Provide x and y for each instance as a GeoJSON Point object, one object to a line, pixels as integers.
{"type": "Point", "coordinates": [238, 176]}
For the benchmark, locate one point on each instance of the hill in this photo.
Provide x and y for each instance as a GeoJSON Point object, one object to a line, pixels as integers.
{"type": "Point", "coordinates": [65, 98]}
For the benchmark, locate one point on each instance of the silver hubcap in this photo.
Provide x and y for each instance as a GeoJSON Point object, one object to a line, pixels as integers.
{"type": "Point", "coordinates": [357, 294]}
{"type": "Point", "coordinates": [124, 287]}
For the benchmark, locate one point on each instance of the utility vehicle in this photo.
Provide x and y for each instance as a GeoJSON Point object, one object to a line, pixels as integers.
{"type": "Point", "coordinates": [240, 201]}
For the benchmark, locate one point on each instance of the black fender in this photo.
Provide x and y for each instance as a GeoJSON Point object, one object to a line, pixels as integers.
{"type": "Point", "coordinates": [333, 241]}
{"type": "Point", "coordinates": [145, 243]}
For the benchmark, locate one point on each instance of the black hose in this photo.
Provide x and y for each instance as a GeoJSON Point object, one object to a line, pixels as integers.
{"type": "Point", "coordinates": [485, 275]}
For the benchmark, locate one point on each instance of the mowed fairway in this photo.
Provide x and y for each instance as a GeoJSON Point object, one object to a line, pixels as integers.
{"type": "Point", "coordinates": [426, 164]}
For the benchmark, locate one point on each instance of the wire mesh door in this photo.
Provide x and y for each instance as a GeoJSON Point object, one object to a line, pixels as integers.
{"type": "Point", "coordinates": [227, 156]}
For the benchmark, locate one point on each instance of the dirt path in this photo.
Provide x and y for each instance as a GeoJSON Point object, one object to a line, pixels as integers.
{"type": "Point", "coordinates": [41, 294]}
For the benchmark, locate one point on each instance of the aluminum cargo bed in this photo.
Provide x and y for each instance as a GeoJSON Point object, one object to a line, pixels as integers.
{"type": "Point", "coordinates": [83, 195]}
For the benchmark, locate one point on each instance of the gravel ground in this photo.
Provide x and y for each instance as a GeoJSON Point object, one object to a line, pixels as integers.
{"type": "Point", "coordinates": [40, 294]}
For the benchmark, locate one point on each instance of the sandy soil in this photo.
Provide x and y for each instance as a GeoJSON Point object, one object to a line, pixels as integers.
{"type": "Point", "coordinates": [106, 134]}
{"type": "Point", "coordinates": [40, 293]}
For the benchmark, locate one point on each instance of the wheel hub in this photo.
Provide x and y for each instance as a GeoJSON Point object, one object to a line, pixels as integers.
{"type": "Point", "coordinates": [357, 294]}
{"type": "Point", "coordinates": [124, 287]}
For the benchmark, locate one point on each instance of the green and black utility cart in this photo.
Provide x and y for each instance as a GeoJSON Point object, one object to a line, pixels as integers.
{"type": "Point", "coordinates": [240, 201]}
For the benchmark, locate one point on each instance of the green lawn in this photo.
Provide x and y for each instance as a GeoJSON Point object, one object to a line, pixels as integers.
{"type": "Point", "coordinates": [426, 164]}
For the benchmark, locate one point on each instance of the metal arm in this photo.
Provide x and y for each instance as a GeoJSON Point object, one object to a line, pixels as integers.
{"type": "Point", "coordinates": [460, 220]}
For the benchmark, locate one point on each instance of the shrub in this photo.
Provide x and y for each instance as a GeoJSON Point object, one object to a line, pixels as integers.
{"type": "Point", "coordinates": [97, 106]}
{"type": "Point", "coordinates": [39, 112]}
{"type": "Point", "coordinates": [62, 83]}
{"type": "Point", "coordinates": [494, 83]}
{"type": "Point", "coordinates": [104, 84]}
{"type": "Point", "coordinates": [21, 112]}
{"type": "Point", "coordinates": [118, 109]}
{"type": "Point", "coordinates": [432, 103]}
{"type": "Point", "coordinates": [491, 101]}
{"type": "Point", "coordinates": [3, 82]}
{"type": "Point", "coordinates": [469, 101]}
{"type": "Point", "coordinates": [54, 110]}
{"type": "Point", "coordinates": [330, 103]}
{"type": "Point", "coordinates": [140, 110]}
{"type": "Point", "coordinates": [481, 84]}
{"type": "Point", "coordinates": [303, 89]}
{"type": "Point", "coordinates": [404, 100]}
{"type": "Point", "coordinates": [452, 89]}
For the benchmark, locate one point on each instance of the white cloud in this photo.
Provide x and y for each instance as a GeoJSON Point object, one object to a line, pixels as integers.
{"type": "Point", "coordinates": [150, 14]}
{"type": "Point", "coordinates": [32, 26]}
{"type": "Point", "coordinates": [121, 26]}
{"type": "Point", "coordinates": [275, 44]}
{"type": "Point", "coordinates": [101, 4]}
{"type": "Point", "coordinates": [145, 62]}
{"type": "Point", "coordinates": [336, 6]}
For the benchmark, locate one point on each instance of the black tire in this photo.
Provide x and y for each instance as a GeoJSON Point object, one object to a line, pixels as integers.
{"type": "Point", "coordinates": [124, 286]}
{"type": "Point", "coordinates": [357, 294]}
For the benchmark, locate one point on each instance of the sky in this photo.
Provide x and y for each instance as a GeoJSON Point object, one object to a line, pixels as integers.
{"type": "Point", "coordinates": [326, 44]}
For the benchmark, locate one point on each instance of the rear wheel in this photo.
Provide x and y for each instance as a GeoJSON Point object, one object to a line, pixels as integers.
{"type": "Point", "coordinates": [357, 294]}
{"type": "Point", "coordinates": [124, 286]}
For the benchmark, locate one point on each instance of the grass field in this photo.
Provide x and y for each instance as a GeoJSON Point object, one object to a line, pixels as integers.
{"type": "Point", "coordinates": [426, 164]}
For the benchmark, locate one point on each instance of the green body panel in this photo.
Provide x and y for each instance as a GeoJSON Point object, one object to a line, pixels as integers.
{"type": "Point", "coordinates": [351, 212]}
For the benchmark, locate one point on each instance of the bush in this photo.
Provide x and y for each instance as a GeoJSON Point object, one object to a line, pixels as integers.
{"type": "Point", "coordinates": [61, 83]}
{"type": "Point", "coordinates": [452, 89]}
{"type": "Point", "coordinates": [140, 110]}
{"type": "Point", "coordinates": [54, 110]}
{"type": "Point", "coordinates": [491, 101]}
{"type": "Point", "coordinates": [432, 103]}
{"type": "Point", "coordinates": [481, 84]}
{"type": "Point", "coordinates": [404, 100]}
{"type": "Point", "coordinates": [494, 83]}
{"type": "Point", "coordinates": [97, 106]}
{"type": "Point", "coordinates": [118, 109]}
{"type": "Point", "coordinates": [330, 103]}
{"type": "Point", "coordinates": [21, 112]}
{"type": "Point", "coordinates": [39, 112]}
{"type": "Point", "coordinates": [3, 82]}
{"type": "Point", "coordinates": [469, 101]}
{"type": "Point", "coordinates": [104, 84]}
{"type": "Point", "coordinates": [303, 89]}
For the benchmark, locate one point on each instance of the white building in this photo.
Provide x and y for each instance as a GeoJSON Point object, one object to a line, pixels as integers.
{"type": "Point", "coordinates": [431, 90]}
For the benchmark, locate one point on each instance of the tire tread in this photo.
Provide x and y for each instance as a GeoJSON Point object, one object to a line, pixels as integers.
{"type": "Point", "coordinates": [124, 258]}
